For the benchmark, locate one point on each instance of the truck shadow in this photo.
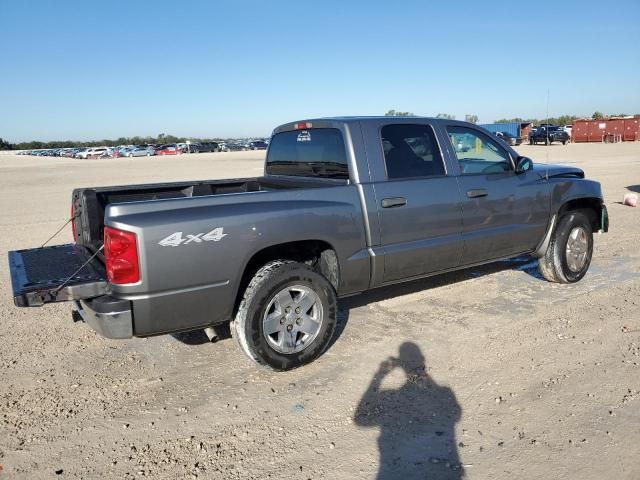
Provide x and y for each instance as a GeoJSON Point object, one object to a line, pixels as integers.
{"type": "Point", "coordinates": [416, 421]}
{"type": "Point", "coordinates": [523, 264]}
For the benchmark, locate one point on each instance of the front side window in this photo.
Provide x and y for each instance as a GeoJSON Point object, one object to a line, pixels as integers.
{"type": "Point", "coordinates": [316, 152]}
{"type": "Point", "coordinates": [411, 151]}
{"type": "Point", "coordinates": [477, 153]}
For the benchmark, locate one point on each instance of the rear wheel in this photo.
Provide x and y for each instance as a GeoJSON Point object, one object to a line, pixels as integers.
{"type": "Point", "coordinates": [570, 250]}
{"type": "Point", "coordinates": [287, 315]}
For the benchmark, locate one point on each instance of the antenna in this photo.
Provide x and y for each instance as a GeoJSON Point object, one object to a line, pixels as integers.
{"type": "Point", "coordinates": [547, 129]}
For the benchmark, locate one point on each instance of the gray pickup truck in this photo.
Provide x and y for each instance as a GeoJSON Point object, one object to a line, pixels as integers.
{"type": "Point", "coordinates": [345, 205]}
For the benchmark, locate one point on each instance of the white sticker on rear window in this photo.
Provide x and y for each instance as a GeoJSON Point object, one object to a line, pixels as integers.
{"type": "Point", "coordinates": [304, 136]}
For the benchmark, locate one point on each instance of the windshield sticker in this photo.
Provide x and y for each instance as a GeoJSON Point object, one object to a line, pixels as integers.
{"type": "Point", "coordinates": [304, 136]}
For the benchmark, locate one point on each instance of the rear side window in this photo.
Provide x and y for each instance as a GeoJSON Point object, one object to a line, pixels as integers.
{"type": "Point", "coordinates": [317, 152]}
{"type": "Point", "coordinates": [411, 151]}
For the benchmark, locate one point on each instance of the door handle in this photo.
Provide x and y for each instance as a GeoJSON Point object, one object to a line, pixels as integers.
{"type": "Point", "coordinates": [394, 202]}
{"type": "Point", "coordinates": [478, 192]}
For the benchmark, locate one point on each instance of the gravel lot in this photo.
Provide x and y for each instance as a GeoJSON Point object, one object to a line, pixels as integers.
{"type": "Point", "coordinates": [505, 375]}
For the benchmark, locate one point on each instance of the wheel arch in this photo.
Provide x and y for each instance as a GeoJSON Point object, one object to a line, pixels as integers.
{"type": "Point", "coordinates": [592, 206]}
{"type": "Point", "coordinates": [317, 254]}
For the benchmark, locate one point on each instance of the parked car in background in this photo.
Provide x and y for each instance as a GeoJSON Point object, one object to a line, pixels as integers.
{"type": "Point", "coordinates": [78, 154]}
{"type": "Point", "coordinates": [509, 139]}
{"type": "Point", "coordinates": [548, 134]}
{"type": "Point", "coordinates": [169, 149]}
{"type": "Point", "coordinates": [93, 152]}
{"type": "Point", "coordinates": [568, 129]}
{"type": "Point", "coordinates": [208, 147]}
{"type": "Point", "coordinates": [139, 151]}
{"type": "Point", "coordinates": [232, 147]}
{"type": "Point", "coordinates": [258, 145]}
{"type": "Point", "coordinates": [188, 147]}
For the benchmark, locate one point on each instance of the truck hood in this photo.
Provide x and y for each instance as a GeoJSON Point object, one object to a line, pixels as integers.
{"type": "Point", "coordinates": [558, 171]}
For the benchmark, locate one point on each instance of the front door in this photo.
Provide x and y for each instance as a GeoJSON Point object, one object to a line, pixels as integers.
{"type": "Point", "coordinates": [503, 213]}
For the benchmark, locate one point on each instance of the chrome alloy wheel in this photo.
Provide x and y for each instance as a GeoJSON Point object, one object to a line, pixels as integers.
{"type": "Point", "coordinates": [576, 252]}
{"type": "Point", "coordinates": [292, 319]}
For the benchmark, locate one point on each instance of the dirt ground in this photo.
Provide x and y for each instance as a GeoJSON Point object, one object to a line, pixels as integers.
{"type": "Point", "coordinates": [500, 375]}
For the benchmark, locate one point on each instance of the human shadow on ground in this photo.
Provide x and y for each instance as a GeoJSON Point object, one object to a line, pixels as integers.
{"type": "Point", "coordinates": [416, 421]}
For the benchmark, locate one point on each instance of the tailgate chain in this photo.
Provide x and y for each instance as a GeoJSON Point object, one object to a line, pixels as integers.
{"type": "Point", "coordinates": [55, 292]}
{"type": "Point", "coordinates": [59, 230]}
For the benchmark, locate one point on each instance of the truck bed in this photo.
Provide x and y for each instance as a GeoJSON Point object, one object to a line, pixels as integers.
{"type": "Point", "coordinates": [89, 204]}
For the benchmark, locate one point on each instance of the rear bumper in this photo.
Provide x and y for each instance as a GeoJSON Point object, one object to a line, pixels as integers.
{"type": "Point", "coordinates": [108, 316]}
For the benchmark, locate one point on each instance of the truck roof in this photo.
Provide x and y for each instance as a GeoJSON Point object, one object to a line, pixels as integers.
{"type": "Point", "coordinates": [329, 122]}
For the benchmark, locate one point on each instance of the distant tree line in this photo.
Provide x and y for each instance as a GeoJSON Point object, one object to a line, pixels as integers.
{"type": "Point", "coordinates": [160, 139]}
{"type": "Point", "coordinates": [163, 138]}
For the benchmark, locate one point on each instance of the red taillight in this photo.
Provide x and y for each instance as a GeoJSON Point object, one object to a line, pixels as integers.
{"type": "Point", "coordinates": [303, 125]}
{"type": "Point", "coordinates": [73, 222]}
{"type": "Point", "coordinates": [121, 256]}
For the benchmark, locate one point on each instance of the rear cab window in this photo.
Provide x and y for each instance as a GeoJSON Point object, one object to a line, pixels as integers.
{"type": "Point", "coordinates": [411, 151]}
{"type": "Point", "coordinates": [315, 152]}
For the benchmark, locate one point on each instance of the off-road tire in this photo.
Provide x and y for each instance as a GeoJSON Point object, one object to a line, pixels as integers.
{"type": "Point", "coordinates": [553, 265]}
{"type": "Point", "coordinates": [267, 282]}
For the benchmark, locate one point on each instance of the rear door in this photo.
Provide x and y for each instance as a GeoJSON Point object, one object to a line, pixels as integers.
{"type": "Point", "coordinates": [418, 200]}
{"type": "Point", "coordinates": [503, 213]}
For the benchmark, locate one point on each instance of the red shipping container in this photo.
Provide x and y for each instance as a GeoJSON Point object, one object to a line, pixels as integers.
{"type": "Point", "coordinates": [596, 130]}
{"type": "Point", "coordinates": [614, 127]}
{"type": "Point", "coordinates": [593, 130]}
{"type": "Point", "coordinates": [579, 131]}
{"type": "Point", "coordinates": [631, 130]}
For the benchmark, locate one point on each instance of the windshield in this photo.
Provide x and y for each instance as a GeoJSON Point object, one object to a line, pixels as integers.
{"type": "Point", "coordinates": [317, 152]}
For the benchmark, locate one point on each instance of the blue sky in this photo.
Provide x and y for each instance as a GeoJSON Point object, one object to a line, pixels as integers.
{"type": "Point", "coordinates": [90, 70]}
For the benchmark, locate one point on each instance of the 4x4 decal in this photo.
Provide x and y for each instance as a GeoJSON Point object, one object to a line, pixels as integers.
{"type": "Point", "coordinates": [176, 239]}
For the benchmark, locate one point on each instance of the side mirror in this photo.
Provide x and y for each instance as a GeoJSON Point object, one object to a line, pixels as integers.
{"type": "Point", "coordinates": [523, 164]}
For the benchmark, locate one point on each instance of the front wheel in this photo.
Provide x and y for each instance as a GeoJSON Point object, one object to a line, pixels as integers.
{"type": "Point", "coordinates": [287, 316]}
{"type": "Point", "coordinates": [568, 256]}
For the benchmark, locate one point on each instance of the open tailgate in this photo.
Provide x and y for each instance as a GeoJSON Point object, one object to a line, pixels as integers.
{"type": "Point", "coordinates": [37, 275]}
